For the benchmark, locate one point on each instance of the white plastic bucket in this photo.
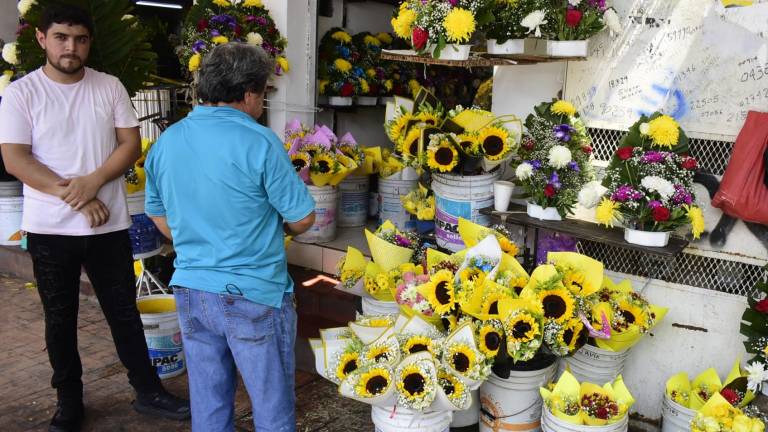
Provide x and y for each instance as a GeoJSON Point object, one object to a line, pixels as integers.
{"type": "Point", "coordinates": [324, 229]}
{"type": "Point", "coordinates": [675, 417]}
{"type": "Point", "coordinates": [404, 420]}
{"type": "Point", "coordinates": [11, 209]}
{"type": "Point", "coordinates": [146, 239]}
{"type": "Point", "coordinates": [376, 307]}
{"type": "Point", "coordinates": [451, 51]}
{"type": "Point", "coordinates": [595, 365]}
{"type": "Point", "coordinates": [161, 329]}
{"type": "Point", "coordinates": [646, 238]}
{"type": "Point", "coordinates": [460, 196]}
{"type": "Point", "coordinates": [339, 101]}
{"type": "Point", "coordinates": [390, 206]}
{"type": "Point", "coordinates": [366, 100]}
{"type": "Point", "coordinates": [469, 416]}
{"type": "Point", "coordinates": [514, 403]}
{"type": "Point", "coordinates": [543, 213]}
{"type": "Point", "coordinates": [353, 202]}
{"type": "Point", "coordinates": [550, 423]}
{"type": "Point", "coordinates": [576, 48]}
{"type": "Point", "coordinates": [511, 46]}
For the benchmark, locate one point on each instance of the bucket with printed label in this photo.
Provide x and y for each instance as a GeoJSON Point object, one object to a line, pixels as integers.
{"type": "Point", "coordinates": [353, 202]}
{"type": "Point", "coordinates": [11, 208]}
{"type": "Point", "coordinates": [163, 335]}
{"type": "Point", "coordinates": [391, 207]}
{"type": "Point", "coordinates": [457, 197]}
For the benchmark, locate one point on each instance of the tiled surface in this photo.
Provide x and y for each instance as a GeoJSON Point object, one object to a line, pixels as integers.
{"type": "Point", "coordinates": [324, 256]}
{"type": "Point", "coordinates": [27, 401]}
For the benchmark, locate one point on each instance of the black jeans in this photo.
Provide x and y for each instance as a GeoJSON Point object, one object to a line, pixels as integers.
{"type": "Point", "coordinates": [108, 261]}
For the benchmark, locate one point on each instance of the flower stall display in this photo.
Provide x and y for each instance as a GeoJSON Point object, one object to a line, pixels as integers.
{"type": "Point", "coordinates": [442, 29]}
{"type": "Point", "coordinates": [373, 83]}
{"type": "Point", "coordinates": [739, 387]}
{"type": "Point", "coordinates": [507, 32]}
{"type": "Point", "coordinates": [214, 22]}
{"type": "Point", "coordinates": [574, 403]}
{"type": "Point", "coordinates": [339, 77]}
{"type": "Point", "coordinates": [718, 415]}
{"type": "Point", "coordinates": [650, 183]}
{"type": "Point", "coordinates": [554, 160]}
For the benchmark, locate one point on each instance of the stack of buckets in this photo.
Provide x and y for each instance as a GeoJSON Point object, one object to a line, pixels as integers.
{"type": "Point", "coordinates": [675, 417]}
{"type": "Point", "coordinates": [550, 423]}
{"type": "Point", "coordinates": [11, 205]}
{"type": "Point", "coordinates": [390, 190]}
{"type": "Point", "coordinates": [146, 239]}
{"type": "Point", "coordinates": [460, 197]}
{"type": "Point", "coordinates": [405, 420]}
{"type": "Point", "coordinates": [163, 335]}
{"type": "Point", "coordinates": [514, 403]}
{"type": "Point", "coordinates": [594, 365]}
{"type": "Point", "coordinates": [324, 228]}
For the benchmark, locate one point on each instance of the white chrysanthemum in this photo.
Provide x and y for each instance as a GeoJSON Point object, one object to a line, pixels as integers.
{"type": "Point", "coordinates": [658, 184]}
{"type": "Point", "coordinates": [574, 3]}
{"type": "Point", "coordinates": [254, 39]}
{"type": "Point", "coordinates": [421, 307]}
{"type": "Point", "coordinates": [10, 53]}
{"type": "Point", "coordinates": [591, 194]}
{"type": "Point", "coordinates": [524, 171]}
{"type": "Point", "coordinates": [644, 128]}
{"type": "Point", "coordinates": [24, 6]}
{"type": "Point", "coordinates": [756, 374]}
{"type": "Point", "coordinates": [5, 79]}
{"type": "Point", "coordinates": [612, 20]}
{"type": "Point", "coordinates": [533, 21]}
{"type": "Point", "coordinates": [559, 156]}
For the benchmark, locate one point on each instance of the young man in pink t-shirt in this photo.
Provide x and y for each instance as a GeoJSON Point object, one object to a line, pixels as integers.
{"type": "Point", "coordinates": [69, 133]}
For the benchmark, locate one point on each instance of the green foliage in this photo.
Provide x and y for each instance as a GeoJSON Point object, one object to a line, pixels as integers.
{"type": "Point", "coordinates": [754, 324]}
{"type": "Point", "coordinates": [120, 45]}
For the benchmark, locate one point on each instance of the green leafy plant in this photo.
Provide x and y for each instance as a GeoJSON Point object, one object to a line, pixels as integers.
{"type": "Point", "coordinates": [120, 44]}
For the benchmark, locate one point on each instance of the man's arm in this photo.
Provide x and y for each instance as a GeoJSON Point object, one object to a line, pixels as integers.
{"type": "Point", "coordinates": [20, 163]}
{"type": "Point", "coordinates": [80, 190]}
{"type": "Point", "coordinates": [296, 228]}
{"type": "Point", "coordinates": [162, 224]}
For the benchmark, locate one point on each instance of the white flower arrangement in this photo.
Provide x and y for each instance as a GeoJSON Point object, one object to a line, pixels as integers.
{"type": "Point", "coordinates": [524, 171]}
{"type": "Point", "coordinates": [756, 374]}
{"type": "Point", "coordinates": [11, 53]}
{"type": "Point", "coordinates": [591, 194]}
{"type": "Point", "coordinates": [658, 184]}
{"type": "Point", "coordinates": [559, 156]}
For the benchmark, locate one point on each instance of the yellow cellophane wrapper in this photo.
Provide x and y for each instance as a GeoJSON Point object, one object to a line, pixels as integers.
{"type": "Point", "coordinates": [473, 305]}
{"type": "Point", "coordinates": [385, 254]}
{"type": "Point", "coordinates": [389, 166]}
{"type": "Point", "coordinates": [678, 383]}
{"type": "Point", "coordinates": [434, 257]}
{"type": "Point", "coordinates": [355, 261]}
{"type": "Point", "coordinates": [590, 267]}
{"type": "Point", "coordinates": [510, 263]}
{"type": "Point", "coordinates": [735, 373]}
{"type": "Point", "coordinates": [567, 387]}
{"type": "Point", "coordinates": [347, 166]}
{"type": "Point", "coordinates": [287, 240]}
{"type": "Point", "coordinates": [713, 405]}
{"type": "Point", "coordinates": [624, 398]}
{"type": "Point", "coordinates": [541, 274]}
{"type": "Point", "coordinates": [371, 162]}
{"type": "Point", "coordinates": [589, 388]}
{"type": "Point", "coordinates": [527, 303]}
{"type": "Point", "coordinates": [371, 271]}
{"type": "Point", "coordinates": [409, 312]}
{"type": "Point", "coordinates": [471, 232]}
{"type": "Point", "coordinates": [711, 380]}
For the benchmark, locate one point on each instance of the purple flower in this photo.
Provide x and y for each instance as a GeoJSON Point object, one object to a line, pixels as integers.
{"type": "Point", "coordinates": [654, 204]}
{"type": "Point", "coordinates": [626, 193]}
{"type": "Point", "coordinates": [654, 157]}
{"type": "Point", "coordinates": [198, 46]}
{"type": "Point", "coordinates": [402, 241]}
{"type": "Point", "coordinates": [536, 164]}
{"type": "Point", "coordinates": [598, 4]}
{"type": "Point", "coordinates": [682, 196]}
{"type": "Point", "coordinates": [261, 21]}
{"type": "Point", "coordinates": [555, 181]}
{"type": "Point", "coordinates": [453, 2]}
{"type": "Point", "coordinates": [574, 166]}
{"type": "Point", "coordinates": [563, 132]}
{"type": "Point", "coordinates": [215, 33]}
{"type": "Point", "coordinates": [250, 18]}
{"type": "Point", "coordinates": [224, 19]}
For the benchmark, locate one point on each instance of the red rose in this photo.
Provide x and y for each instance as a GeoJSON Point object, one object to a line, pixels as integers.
{"type": "Point", "coordinates": [572, 17]}
{"type": "Point", "coordinates": [730, 395]}
{"type": "Point", "coordinates": [587, 149]}
{"type": "Point", "coordinates": [202, 24]}
{"type": "Point", "coordinates": [347, 89]}
{"type": "Point", "coordinates": [238, 30]}
{"type": "Point", "coordinates": [624, 153]}
{"type": "Point", "coordinates": [689, 163]}
{"type": "Point", "coordinates": [419, 38]}
{"type": "Point", "coordinates": [762, 306]}
{"type": "Point", "coordinates": [660, 214]}
{"type": "Point", "coordinates": [528, 143]}
{"type": "Point", "coordinates": [549, 191]}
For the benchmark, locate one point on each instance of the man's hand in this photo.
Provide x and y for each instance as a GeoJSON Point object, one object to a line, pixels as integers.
{"type": "Point", "coordinates": [96, 212]}
{"type": "Point", "coordinates": [79, 191]}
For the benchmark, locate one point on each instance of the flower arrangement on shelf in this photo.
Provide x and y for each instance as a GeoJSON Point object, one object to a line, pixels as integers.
{"type": "Point", "coordinates": [587, 403]}
{"type": "Point", "coordinates": [554, 159]}
{"type": "Point", "coordinates": [135, 178]}
{"type": "Point", "coordinates": [649, 183]}
{"type": "Point", "coordinates": [442, 29]}
{"type": "Point", "coordinates": [318, 156]}
{"type": "Point", "coordinates": [374, 82]}
{"type": "Point", "coordinates": [339, 77]}
{"type": "Point", "coordinates": [214, 22]}
{"type": "Point", "coordinates": [508, 24]}
{"type": "Point", "coordinates": [720, 416]}
{"type": "Point", "coordinates": [580, 19]}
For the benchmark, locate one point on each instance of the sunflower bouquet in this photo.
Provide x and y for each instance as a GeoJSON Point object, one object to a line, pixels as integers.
{"type": "Point", "coordinates": [718, 415]}
{"type": "Point", "coordinates": [214, 22]}
{"type": "Point", "coordinates": [649, 180]}
{"type": "Point", "coordinates": [316, 154]}
{"type": "Point", "coordinates": [409, 124]}
{"type": "Point", "coordinates": [554, 157]}
{"type": "Point", "coordinates": [524, 328]}
{"type": "Point", "coordinates": [135, 178]}
{"type": "Point", "coordinates": [435, 25]}
{"type": "Point", "coordinates": [587, 403]}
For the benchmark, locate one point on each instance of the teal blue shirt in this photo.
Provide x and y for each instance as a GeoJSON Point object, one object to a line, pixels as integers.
{"type": "Point", "coordinates": [226, 185]}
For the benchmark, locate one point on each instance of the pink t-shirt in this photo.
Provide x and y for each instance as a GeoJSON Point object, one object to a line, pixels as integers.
{"type": "Point", "coordinates": [71, 128]}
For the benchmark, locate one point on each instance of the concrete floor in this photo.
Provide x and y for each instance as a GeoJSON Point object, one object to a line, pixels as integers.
{"type": "Point", "coordinates": [27, 401]}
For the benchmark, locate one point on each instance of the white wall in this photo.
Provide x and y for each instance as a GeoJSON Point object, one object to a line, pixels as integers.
{"type": "Point", "coordinates": [9, 19]}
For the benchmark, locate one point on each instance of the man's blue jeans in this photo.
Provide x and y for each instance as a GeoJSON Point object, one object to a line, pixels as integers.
{"type": "Point", "coordinates": [225, 333]}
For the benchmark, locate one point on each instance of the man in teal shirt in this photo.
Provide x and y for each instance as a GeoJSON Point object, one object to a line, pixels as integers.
{"type": "Point", "coordinates": [222, 187]}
